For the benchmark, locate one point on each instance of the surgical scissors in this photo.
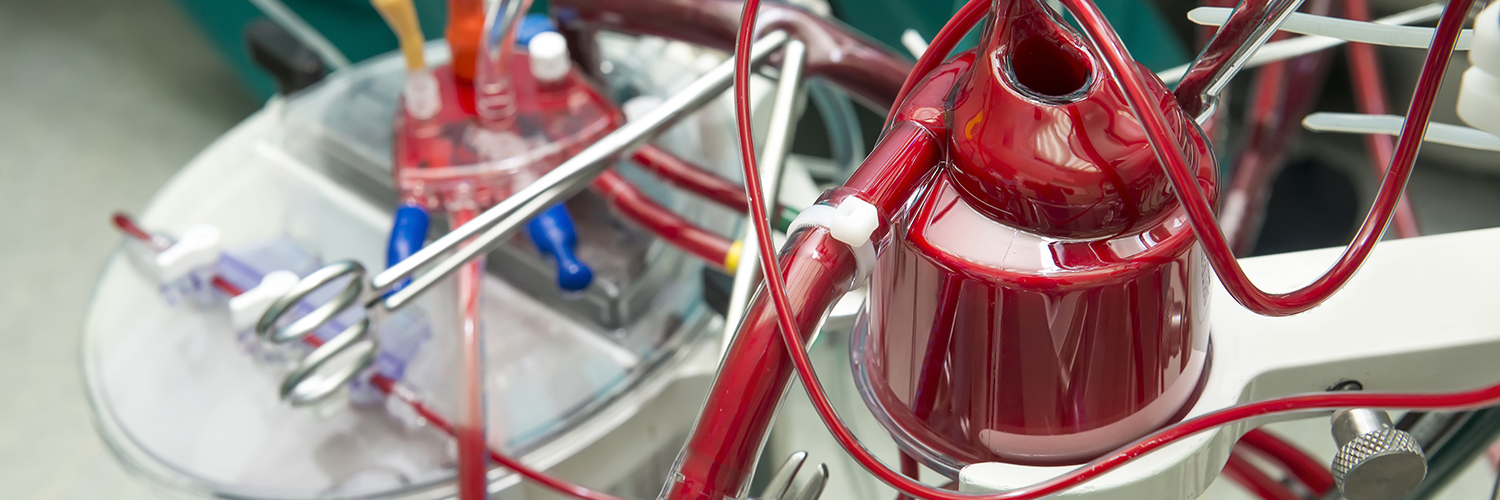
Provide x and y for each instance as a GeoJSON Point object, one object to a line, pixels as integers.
{"type": "Point", "coordinates": [305, 384]}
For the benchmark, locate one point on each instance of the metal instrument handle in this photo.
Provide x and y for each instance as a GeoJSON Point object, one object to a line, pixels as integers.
{"type": "Point", "coordinates": [300, 387]}
{"type": "Point", "coordinates": [266, 328]}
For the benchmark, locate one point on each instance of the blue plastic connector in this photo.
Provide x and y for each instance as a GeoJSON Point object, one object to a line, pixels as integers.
{"type": "Point", "coordinates": [408, 234]}
{"type": "Point", "coordinates": [554, 235]}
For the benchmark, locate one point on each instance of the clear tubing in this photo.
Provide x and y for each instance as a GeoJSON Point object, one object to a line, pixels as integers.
{"type": "Point", "coordinates": [845, 139]}
{"type": "Point", "coordinates": [1098, 29]}
{"type": "Point", "coordinates": [1309, 472]}
{"type": "Point", "coordinates": [1370, 98]}
{"type": "Point", "coordinates": [1255, 481]}
{"type": "Point", "coordinates": [303, 32]}
{"type": "Point", "coordinates": [665, 224]}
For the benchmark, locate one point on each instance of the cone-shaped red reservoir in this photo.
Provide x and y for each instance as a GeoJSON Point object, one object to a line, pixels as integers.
{"type": "Point", "coordinates": [1042, 299]}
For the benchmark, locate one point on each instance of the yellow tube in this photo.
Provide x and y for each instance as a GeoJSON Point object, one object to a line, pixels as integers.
{"type": "Point", "coordinates": [402, 16]}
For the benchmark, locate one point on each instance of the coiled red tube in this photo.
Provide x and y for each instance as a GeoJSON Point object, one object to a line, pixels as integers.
{"type": "Point", "coordinates": [1202, 217]}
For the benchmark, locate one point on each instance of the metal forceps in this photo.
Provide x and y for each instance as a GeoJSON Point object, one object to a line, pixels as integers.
{"type": "Point", "coordinates": [316, 377]}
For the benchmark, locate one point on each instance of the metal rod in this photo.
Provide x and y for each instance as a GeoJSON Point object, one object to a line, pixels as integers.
{"type": "Point", "coordinates": [492, 226]}
{"type": "Point", "coordinates": [1261, 24]}
{"type": "Point", "coordinates": [772, 163]}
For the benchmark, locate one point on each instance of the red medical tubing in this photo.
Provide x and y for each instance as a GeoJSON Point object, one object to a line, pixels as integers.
{"type": "Point", "coordinates": [1220, 49]}
{"type": "Point", "coordinates": [391, 388]}
{"type": "Point", "coordinates": [693, 178]}
{"type": "Point", "coordinates": [1310, 472]}
{"type": "Point", "coordinates": [129, 227]}
{"type": "Point", "coordinates": [472, 484]}
{"type": "Point", "coordinates": [910, 468]}
{"type": "Point", "coordinates": [937, 51]}
{"type": "Point", "coordinates": [665, 224]}
{"type": "Point", "coordinates": [1370, 98]}
{"type": "Point", "coordinates": [1284, 93]}
{"type": "Point", "coordinates": [1255, 481]}
{"type": "Point", "coordinates": [1201, 213]}
{"type": "Point", "coordinates": [1244, 201]}
{"type": "Point", "coordinates": [1118, 61]}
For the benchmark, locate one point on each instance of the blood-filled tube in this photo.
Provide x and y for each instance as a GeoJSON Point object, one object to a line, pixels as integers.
{"type": "Point", "coordinates": [1094, 23]}
{"type": "Point", "coordinates": [695, 179]}
{"type": "Point", "coordinates": [1370, 99]}
{"type": "Point", "coordinates": [661, 221]}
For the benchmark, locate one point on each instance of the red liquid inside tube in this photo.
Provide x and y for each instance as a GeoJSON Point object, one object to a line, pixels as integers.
{"type": "Point", "coordinates": [1041, 300]}
{"type": "Point", "coordinates": [453, 158]}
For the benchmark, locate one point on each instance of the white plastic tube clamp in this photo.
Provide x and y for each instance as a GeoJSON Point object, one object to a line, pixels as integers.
{"type": "Point", "coordinates": [199, 247]}
{"type": "Point", "coordinates": [851, 223]}
{"type": "Point", "coordinates": [247, 308]}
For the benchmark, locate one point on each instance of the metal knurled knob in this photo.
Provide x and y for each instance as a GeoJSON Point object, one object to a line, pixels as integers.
{"type": "Point", "coordinates": [1375, 461]}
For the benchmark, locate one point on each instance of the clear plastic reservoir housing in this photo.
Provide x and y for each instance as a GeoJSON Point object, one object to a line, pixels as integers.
{"type": "Point", "coordinates": [181, 400]}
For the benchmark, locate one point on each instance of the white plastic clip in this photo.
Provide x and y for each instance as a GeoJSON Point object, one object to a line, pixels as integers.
{"type": "Point", "coordinates": [199, 247]}
{"type": "Point", "coordinates": [1344, 29]}
{"type": "Point", "coordinates": [851, 223]}
{"type": "Point", "coordinates": [1441, 133]}
{"type": "Point", "coordinates": [247, 308]}
{"type": "Point", "coordinates": [1302, 45]}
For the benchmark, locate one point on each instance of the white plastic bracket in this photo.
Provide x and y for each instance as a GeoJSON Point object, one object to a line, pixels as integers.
{"type": "Point", "coordinates": [247, 308]}
{"type": "Point", "coordinates": [199, 247]}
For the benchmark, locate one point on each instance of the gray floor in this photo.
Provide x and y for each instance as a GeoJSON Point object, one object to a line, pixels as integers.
{"type": "Point", "coordinates": [100, 103]}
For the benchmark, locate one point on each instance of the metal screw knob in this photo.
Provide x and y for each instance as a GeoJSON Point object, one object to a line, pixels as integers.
{"type": "Point", "coordinates": [1376, 461]}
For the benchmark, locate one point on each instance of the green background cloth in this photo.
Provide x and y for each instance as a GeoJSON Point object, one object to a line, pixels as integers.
{"type": "Point", "coordinates": [355, 27]}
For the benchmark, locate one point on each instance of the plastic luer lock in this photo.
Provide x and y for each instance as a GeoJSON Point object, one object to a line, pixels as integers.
{"type": "Point", "coordinates": [1037, 303]}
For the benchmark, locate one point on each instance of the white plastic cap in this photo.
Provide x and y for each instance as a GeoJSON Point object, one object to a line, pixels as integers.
{"type": "Point", "coordinates": [1479, 94]}
{"type": "Point", "coordinates": [247, 308]}
{"type": "Point", "coordinates": [1485, 51]}
{"type": "Point", "coordinates": [421, 95]}
{"type": "Point", "coordinates": [198, 248]}
{"type": "Point", "coordinates": [549, 56]}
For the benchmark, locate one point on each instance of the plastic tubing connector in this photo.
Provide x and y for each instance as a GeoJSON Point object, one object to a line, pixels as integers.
{"type": "Point", "coordinates": [554, 235]}
{"type": "Point", "coordinates": [408, 234]}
